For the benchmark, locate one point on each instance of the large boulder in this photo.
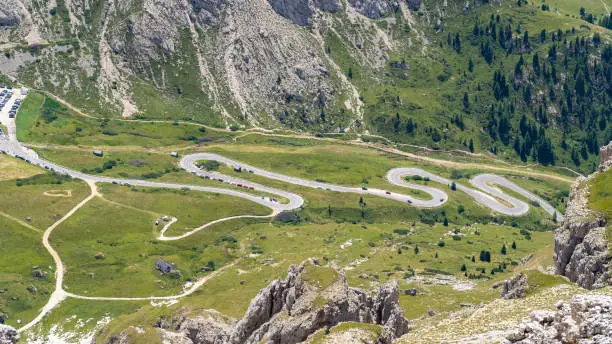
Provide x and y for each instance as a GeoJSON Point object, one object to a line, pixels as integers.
{"type": "Point", "coordinates": [8, 334]}
{"type": "Point", "coordinates": [515, 288]}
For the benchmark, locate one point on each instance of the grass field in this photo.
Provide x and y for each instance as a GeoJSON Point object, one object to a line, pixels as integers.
{"type": "Point", "coordinates": [65, 127]}
{"type": "Point", "coordinates": [370, 245]}
{"type": "Point", "coordinates": [11, 168]}
{"type": "Point", "coordinates": [24, 289]}
{"type": "Point", "coordinates": [36, 199]}
{"type": "Point", "coordinates": [122, 228]}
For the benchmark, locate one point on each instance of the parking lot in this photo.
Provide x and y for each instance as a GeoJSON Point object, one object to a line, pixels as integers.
{"type": "Point", "coordinates": [10, 100]}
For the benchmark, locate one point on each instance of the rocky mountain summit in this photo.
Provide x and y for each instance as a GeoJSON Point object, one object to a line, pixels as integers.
{"type": "Point", "coordinates": [310, 300]}
{"type": "Point", "coordinates": [586, 319]}
{"type": "Point", "coordinates": [581, 247]}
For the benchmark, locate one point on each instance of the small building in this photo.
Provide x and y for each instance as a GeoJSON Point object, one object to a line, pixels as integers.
{"type": "Point", "coordinates": [163, 266]}
{"type": "Point", "coordinates": [174, 154]}
{"type": "Point", "coordinates": [24, 91]}
{"type": "Point", "coordinates": [98, 152]}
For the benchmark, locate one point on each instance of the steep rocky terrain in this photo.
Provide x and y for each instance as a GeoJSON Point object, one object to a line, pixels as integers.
{"type": "Point", "coordinates": [586, 319]}
{"type": "Point", "coordinates": [581, 244]}
{"type": "Point", "coordinates": [422, 72]}
{"type": "Point", "coordinates": [223, 62]}
{"type": "Point", "coordinates": [239, 62]}
{"type": "Point", "coordinates": [309, 300]}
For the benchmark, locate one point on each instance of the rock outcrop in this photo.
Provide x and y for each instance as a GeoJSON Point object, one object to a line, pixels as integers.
{"type": "Point", "coordinates": [8, 334]}
{"type": "Point", "coordinates": [515, 288]}
{"type": "Point", "coordinates": [375, 8]}
{"type": "Point", "coordinates": [300, 12]}
{"type": "Point", "coordinates": [587, 319]}
{"type": "Point", "coordinates": [8, 18]}
{"type": "Point", "coordinates": [290, 310]}
{"type": "Point", "coordinates": [581, 248]}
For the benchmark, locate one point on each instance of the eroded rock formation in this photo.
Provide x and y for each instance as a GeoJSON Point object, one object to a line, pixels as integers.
{"type": "Point", "coordinates": [581, 247]}
{"type": "Point", "coordinates": [290, 310]}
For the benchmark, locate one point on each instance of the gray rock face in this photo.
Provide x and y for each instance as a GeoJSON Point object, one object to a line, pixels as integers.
{"type": "Point", "coordinates": [581, 250]}
{"type": "Point", "coordinates": [375, 8]}
{"type": "Point", "coordinates": [414, 5]}
{"type": "Point", "coordinates": [288, 311]}
{"type": "Point", "coordinates": [515, 288]}
{"type": "Point", "coordinates": [8, 17]}
{"type": "Point", "coordinates": [208, 12]}
{"type": "Point", "coordinates": [207, 329]}
{"type": "Point", "coordinates": [587, 319]}
{"type": "Point", "coordinates": [8, 334]}
{"type": "Point", "coordinates": [300, 11]}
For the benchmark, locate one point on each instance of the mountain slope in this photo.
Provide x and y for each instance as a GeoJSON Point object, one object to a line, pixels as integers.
{"type": "Point", "coordinates": [521, 81]}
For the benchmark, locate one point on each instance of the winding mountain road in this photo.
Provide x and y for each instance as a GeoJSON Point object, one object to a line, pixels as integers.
{"type": "Point", "coordinates": [484, 192]}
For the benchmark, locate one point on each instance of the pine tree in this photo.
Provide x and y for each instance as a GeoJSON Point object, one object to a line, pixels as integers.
{"type": "Point", "coordinates": [329, 210]}
{"type": "Point", "coordinates": [514, 245]}
{"type": "Point", "coordinates": [445, 222]}
{"type": "Point", "coordinates": [463, 267]}
{"type": "Point", "coordinates": [488, 256]}
{"type": "Point", "coordinates": [416, 249]}
{"type": "Point", "coordinates": [471, 146]}
{"type": "Point", "coordinates": [453, 186]}
{"type": "Point", "coordinates": [503, 249]}
{"type": "Point", "coordinates": [473, 259]}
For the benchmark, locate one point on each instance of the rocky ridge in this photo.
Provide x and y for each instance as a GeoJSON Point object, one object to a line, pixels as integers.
{"type": "Point", "coordinates": [586, 319]}
{"type": "Point", "coordinates": [310, 299]}
{"type": "Point", "coordinates": [581, 247]}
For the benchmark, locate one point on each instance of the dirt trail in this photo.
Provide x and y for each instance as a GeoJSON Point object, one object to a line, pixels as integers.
{"type": "Point", "coordinates": [59, 294]}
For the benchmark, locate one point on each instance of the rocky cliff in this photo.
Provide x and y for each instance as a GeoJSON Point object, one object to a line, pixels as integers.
{"type": "Point", "coordinates": [310, 299]}
{"type": "Point", "coordinates": [581, 246]}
